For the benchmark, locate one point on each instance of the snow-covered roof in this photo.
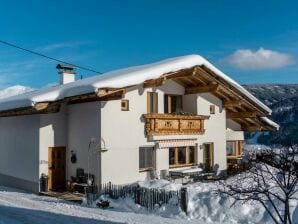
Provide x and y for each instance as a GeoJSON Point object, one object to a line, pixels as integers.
{"type": "Point", "coordinates": [119, 79]}
{"type": "Point", "coordinates": [270, 122]}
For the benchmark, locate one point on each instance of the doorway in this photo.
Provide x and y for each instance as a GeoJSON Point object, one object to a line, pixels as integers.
{"type": "Point", "coordinates": [208, 156]}
{"type": "Point", "coordinates": [56, 168]}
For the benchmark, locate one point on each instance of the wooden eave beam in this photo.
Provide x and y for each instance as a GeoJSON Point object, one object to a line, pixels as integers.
{"type": "Point", "coordinates": [41, 106]}
{"type": "Point", "coordinates": [38, 108]}
{"type": "Point", "coordinates": [154, 83]}
{"type": "Point", "coordinates": [202, 89]}
{"type": "Point", "coordinates": [110, 94]}
{"type": "Point", "coordinates": [232, 103]}
{"type": "Point", "coordinates": [236, 92]}
{"type": "Point", "coordinates": [252, 128]}
{"type": "Point", "coordinates": [232, 115]}
{"type": "Point", "coordinates": [107, 92]}
{"type": "Point", "coordinates": [169, 76]}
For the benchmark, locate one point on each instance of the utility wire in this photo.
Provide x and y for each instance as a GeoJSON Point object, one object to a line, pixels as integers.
{"type": "Point", "coordinates": [47, 57]}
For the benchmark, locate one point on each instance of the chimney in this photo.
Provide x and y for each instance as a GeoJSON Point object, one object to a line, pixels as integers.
{"type": "Point", "coordinates": [67, 73]}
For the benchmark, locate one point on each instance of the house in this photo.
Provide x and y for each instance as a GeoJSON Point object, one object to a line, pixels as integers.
{"type": "Point", "coordinates": [123, 124]}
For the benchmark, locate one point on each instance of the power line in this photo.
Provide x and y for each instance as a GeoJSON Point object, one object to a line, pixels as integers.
{"type": "Point", "coordinates": [47, 57]}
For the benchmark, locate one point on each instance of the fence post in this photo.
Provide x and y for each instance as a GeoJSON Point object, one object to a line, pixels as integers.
{"type": "Point", "coordinates": [184, 199]}
{"type": "Point", "coordinates": [110, 189]}
{"type": "Point", "coordinates": [137, 195]}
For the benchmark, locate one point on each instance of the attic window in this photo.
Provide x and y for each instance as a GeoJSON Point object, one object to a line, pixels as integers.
{"type": "Point", "coordinates": [212, 109]}
{"type": "Point", "coordinates": [124, 105]}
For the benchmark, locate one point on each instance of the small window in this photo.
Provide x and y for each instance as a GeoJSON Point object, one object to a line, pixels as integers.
{"type": "Point", "coordinates": [152, 102]}
{"type": "Point", "coordinates": [146, 158]}
{"type": "Point", "coordinates": [124, 105]}
{"type": "Point", "coordinates": [212, 109]}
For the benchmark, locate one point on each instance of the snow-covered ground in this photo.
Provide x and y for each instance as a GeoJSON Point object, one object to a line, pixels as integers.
{"type": "Point", "coordinates": [18, 207]}
{"type": "Point", "coordinates": [205, 206]}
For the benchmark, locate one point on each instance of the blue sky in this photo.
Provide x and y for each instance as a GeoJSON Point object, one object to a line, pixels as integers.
{"type": "Point", "coordinates": [251, 41]}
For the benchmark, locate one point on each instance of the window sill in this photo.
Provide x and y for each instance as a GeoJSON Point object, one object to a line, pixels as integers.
{"type": "Point", "coordinates": [233, 156]}
{"type": "Point", "coordinates": [183, 165]}
{"type": "Point", "coordinates": [146, 170]}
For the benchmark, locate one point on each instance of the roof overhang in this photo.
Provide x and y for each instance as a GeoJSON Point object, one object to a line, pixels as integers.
{"type": "Point", "coordinates": [200, 78]}
{"type": "Point", "coordinates": [239, 107]}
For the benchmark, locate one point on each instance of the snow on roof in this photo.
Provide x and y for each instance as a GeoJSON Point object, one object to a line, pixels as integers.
{"type": "Point", "coordinates": [118, 79]}
{"type": "Point", "coordinates": [270, 122]}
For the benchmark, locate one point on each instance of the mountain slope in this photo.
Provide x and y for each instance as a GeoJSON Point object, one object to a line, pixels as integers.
{"type": "Point", "coordinates": [14, 90]}
{"type": "Point", "coordinates": [283, 100]}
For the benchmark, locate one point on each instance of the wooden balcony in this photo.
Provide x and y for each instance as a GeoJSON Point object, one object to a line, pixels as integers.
{"type": "Point", "coordinates": [169, 124]}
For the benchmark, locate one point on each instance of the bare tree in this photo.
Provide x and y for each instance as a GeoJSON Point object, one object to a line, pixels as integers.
{"type": "Point", "coordinates": [271, 181]}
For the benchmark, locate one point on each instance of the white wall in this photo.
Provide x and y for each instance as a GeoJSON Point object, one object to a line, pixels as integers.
{"type": "Point", "coordinates": [235, 135]}
{"type": "Point", "coordinates": [215, 128]}
{"type": "Point", "coordinates": [123, 132]}
{"type": "Point", "coordinates": [52, 133]}
{"type": "Point", "coordinates": [83, 124]}
{"type": "Point", "coordinates": [232, 125]}
{"type": "Point", "coordinates": [234, 131]}
{"type": "Point", "coordinates": [19, 147]}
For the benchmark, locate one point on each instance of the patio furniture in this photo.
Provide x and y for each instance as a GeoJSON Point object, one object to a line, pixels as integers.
{"type": "Point", "coordinates": [185, 172]}
{"type": "Point", "coordinates": [165, 175]}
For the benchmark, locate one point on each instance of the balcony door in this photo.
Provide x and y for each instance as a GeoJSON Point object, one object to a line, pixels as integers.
{"type": "Point", "coordinates": [173, 103]}
{"type": "Point", "coordinates": [208, 156]}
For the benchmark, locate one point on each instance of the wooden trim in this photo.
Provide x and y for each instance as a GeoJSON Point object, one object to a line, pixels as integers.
{"type": "Point", "coordinates": [174, 116]}
{"type": "Point", "coordinates": [234, 90]}
{"type": "Point", "coordinates": [124, 105]}
{"type": "Point", "coordinates": [148, 102]}
{"type": "Point", "coordinates": [241, 115]}
{"type": "Point", "coordinates": [182, 165]}
{"type": "Point", "coordinates": [212, 109]}
{"type": "Point", "coordinates": [232, 103]}
{"type": "Point", "coordinates": [211, 88]}
{"type": "Point", "coordinates": [41, 106]}
{"type": "Point", "coordinates": [155, 96]}
{"type": "Point", "coordinates": [155, 99]}
{"type": "Point", "coordinates": [211, 153]}
{"type": "Point", "coordinates": [252, 128]}
{"type": "Point", "coordinates": [169, 104]}
{"type": "Point", "coordinates": [49, 164]}
{"type": "Point", "coordinates": [104, 93]}
{"type": "Point", "coordinates": [52, 107]}
{"type": "Point", "coordinates": [153, 83]}
{"type": "Point", "coordinates": [238, 148]}
{"type": "Point", "coordinates": [170, 98]}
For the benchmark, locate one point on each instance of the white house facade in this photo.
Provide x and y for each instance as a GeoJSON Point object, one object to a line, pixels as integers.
{"type": "Point", "coordinates": [127, 125]}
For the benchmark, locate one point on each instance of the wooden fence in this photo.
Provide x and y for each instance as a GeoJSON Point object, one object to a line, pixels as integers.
{"type": "Point", "coordinates": [149, 198]}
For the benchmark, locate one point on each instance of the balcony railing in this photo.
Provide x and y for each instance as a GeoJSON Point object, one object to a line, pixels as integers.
{"type": "Point", "coordinates": [169, 124]}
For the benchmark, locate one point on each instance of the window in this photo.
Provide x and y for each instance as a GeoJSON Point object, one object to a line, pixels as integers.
{"type": "Point", "coordinates": [182, 156]}
{"type": "Point", "coordinates": [231, 150]}
{"type": "Point", "coordinates": [124, 105]}
{"type": "Point", "coordinates": [146, 158]}
{"type": "Point", "coordinates": [212, 109]}
{"type": "Point", "coordinates": [234, 148]}
{"type": "Point", "coordinates": [173, 103]}
{"type": "Point", "coordinates": [152, 102]}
